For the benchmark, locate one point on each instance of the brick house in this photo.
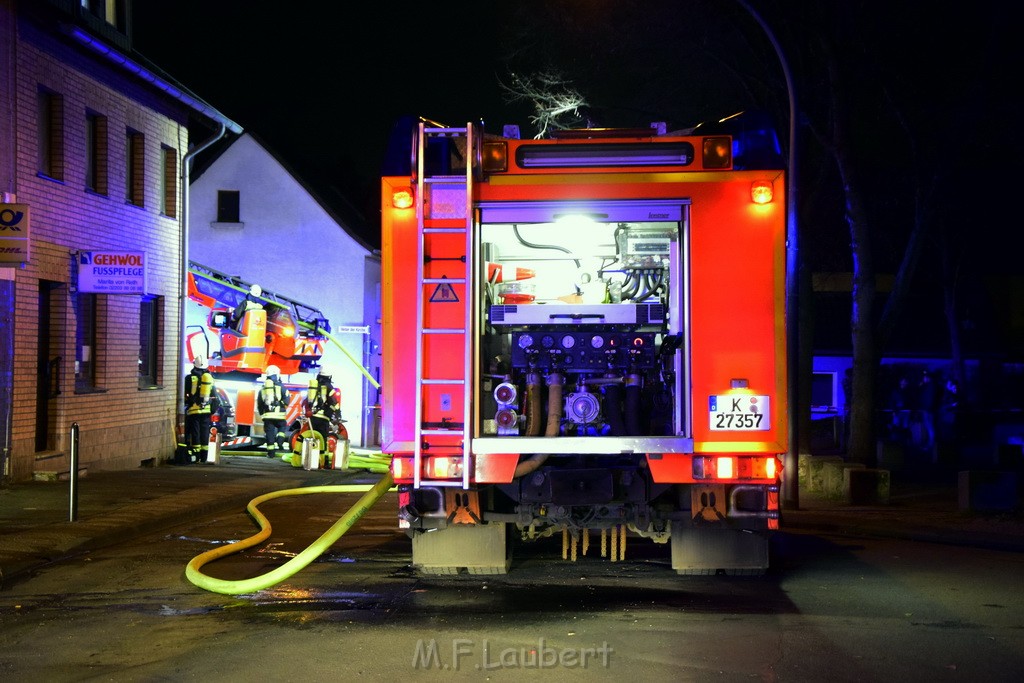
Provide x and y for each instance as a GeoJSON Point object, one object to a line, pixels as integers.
{"type": "Point", "coordinates": [95, 147]}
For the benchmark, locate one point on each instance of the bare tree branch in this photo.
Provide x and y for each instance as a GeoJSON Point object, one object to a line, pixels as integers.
{"type": "Point", "coordinates": [553, 98]}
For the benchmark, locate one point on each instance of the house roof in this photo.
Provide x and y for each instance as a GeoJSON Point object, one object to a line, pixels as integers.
{"type": "Point", "coordinates": [320, 188]}
{"type": "Point", "coordinates": [92, 35]}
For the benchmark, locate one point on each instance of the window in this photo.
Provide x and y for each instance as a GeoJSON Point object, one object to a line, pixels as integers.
{"type": "Point", "coordinates": [95, 153]}
{"type": "Point", "coordinates": [85, 342]}
{"type": "Point", "coordinates": [135, 181]}
{"type": "Point", "coordinates": [169, 182]}
{"type": "Point", "coordinates": [110, 11]}
{"type": "Point", "coordinates": [228, 206]}
{"type": "Point", "coordinates": [824, 391]}
{"type": "Point", "coordinates": [150, 314]}
{"type": "Point", "coordinates": [51, 134]}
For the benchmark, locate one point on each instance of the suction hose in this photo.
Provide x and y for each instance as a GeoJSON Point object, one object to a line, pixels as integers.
{"type": "Point", "coordinates": [633, 389]}
{"type": "Point", "coordinates": [613, 408]}
{"type": "Point", "coordinates": [371, 494]}
{"type": "Point", "coordinates": [533, 462]}
{"type": "Point", "coordinates": [534, 426]}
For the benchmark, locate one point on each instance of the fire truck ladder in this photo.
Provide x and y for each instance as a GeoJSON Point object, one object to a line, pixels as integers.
{"type": "Point", "coordinates": [444, 205]}
{"type": "Point", "coordinates": [227, 290]}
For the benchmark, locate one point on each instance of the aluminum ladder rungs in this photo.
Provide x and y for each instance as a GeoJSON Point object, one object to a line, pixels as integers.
{"type": "Point", "coordinates": [441, 482]}
{"type": "Point", "coordinates": [427, 227]}
{"type": "Point", "coordinates": [444, 280]}
{"type": "Point", "coordinates": [440, 131]}
{"type": "Point", "coordinates": [445, 179]}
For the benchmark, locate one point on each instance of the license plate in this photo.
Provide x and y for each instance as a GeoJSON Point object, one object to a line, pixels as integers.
{"type": "Point", "coordinates": [739, 413]}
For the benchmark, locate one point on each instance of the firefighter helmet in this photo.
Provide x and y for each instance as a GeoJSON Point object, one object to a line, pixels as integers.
{"type": "Point", "coordinates": [200, 362]}
{"type": "Point", "coordinates": [325, 373]}
{"type": "Point", "coordinates": [256, 290]}
{"type": "Point", "coordinates": [273, 371]}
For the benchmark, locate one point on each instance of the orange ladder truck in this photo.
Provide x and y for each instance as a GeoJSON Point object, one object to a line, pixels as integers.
{"type": "Point", "coordinates": [584, 336]}
{"type": "Point", "coordinates": [284, 332]}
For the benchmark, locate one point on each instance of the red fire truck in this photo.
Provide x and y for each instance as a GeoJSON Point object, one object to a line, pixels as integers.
{"type": "Point", "coordinates": [284, 332]}
{"type": "Point", "coordinates": [584, 336]}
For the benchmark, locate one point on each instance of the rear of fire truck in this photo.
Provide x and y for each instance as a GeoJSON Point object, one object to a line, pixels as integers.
{"type": "Point", "coordinates": [584, 337]}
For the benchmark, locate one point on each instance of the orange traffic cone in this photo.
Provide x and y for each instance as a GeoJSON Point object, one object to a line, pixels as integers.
{"type": "Point", "coordinates": [498, 273]}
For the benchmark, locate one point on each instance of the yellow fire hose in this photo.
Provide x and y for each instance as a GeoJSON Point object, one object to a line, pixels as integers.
{"type": "Point", "coordinates": [366, 373]}
{"type": "Point", "coordinates": [376, 463]}
{"type": "Point", "coordinates": [371, 494]}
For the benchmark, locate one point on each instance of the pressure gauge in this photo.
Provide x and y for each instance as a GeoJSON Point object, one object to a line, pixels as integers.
{"type": "Point", "coordinates": [597, 341]}
{"type": "Point", "coordinates": [568, 341]}
{"type": "Point", "coordinates": [525, 341]}
{"type": "Point", "coordinates": [547, 341]}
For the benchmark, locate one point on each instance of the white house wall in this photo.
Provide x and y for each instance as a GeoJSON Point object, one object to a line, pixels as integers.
{"type": "Point", "coordinates": [287, 243]}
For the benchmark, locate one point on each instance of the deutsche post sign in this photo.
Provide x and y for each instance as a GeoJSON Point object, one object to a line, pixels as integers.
{"type": "Point", "coordinates": [112, 272]}
{"type": "Point", "coordinates": [14, 234]}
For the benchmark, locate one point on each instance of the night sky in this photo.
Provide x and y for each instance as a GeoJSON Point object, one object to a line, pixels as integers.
{"type": "Point", "coordinates": [320, 89]}
{"type": "Point", "coordinates": [324, 90]}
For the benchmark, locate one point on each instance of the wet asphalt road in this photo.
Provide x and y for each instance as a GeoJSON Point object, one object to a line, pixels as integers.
{"type": "Point", "coordinates": [831, 609]}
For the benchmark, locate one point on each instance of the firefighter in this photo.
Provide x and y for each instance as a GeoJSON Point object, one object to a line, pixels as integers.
{"type": "Point", "coordinates": [199, 406]}
{"type": "Point", "coordinates": [251, 302]}
{"type": "Point", "coordinates": [272, 404]}
{"type": "Point", "coordinates": [321, 403]}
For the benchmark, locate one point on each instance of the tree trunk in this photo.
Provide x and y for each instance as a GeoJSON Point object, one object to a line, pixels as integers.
{"type": "Point", "coordinates": [861, 445]}
{"type": "Point", "coordinates": [949, 308]}
{"type": "Point", "coordinates": [861, 406]}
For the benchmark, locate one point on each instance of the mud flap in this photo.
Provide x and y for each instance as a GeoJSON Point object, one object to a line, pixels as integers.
{"type": "Point", "coordinates": [705, 550]}
{"type": "Point", "coordinates": [477, 548]}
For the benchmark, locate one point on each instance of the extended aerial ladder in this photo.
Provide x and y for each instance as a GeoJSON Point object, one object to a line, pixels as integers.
{"type": "Point", "coordinates": [286, 333]}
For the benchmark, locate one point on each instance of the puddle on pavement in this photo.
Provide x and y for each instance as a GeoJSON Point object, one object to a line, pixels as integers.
{"type": "Point", "coordinates": [207, 541]}
{"type": "Point", "coordinates": [413, 599]}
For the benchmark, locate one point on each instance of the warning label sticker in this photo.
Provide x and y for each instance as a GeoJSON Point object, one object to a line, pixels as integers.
{"type": "Point", "coordinates": [444, 293]}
